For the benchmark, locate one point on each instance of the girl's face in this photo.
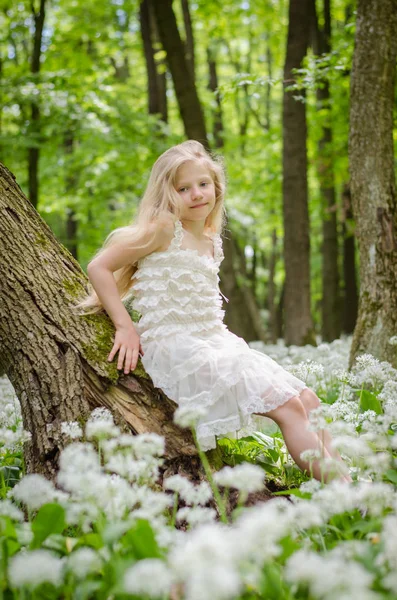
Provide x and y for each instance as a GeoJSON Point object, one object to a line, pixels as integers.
{"type": "Point", "coordinates": [196, 187]}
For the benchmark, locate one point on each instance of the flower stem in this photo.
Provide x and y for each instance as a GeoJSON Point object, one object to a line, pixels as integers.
{"type": "Point", "coordinates": [214, 487]}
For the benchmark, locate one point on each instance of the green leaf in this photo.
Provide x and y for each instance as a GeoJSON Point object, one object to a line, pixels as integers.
{"type": "Point", "coordinates": [140, 540]}
{"type": "Point", "coordinates": [93, 540]}
{"type": "Point", "coordinates": [369, 402]}
{"type": "Point", "coordinates": [293, 492]}
{"type": "Point", "coordinates": [49, 519]}
{"type": "Point", "coordinates": [391, 475]}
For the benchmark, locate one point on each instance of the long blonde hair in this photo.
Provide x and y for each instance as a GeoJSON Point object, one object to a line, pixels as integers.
{"type": "Point", "coordinates": [159, 204]}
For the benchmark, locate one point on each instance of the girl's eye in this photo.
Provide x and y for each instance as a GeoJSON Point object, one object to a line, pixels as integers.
{"type": "Point", "coordinates": [182, 189]}
{"type": "Point", "coordinates": [204, 183]}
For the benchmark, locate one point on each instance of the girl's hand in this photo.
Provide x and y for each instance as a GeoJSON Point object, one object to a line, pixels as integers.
{"type": "Point", "coordinates": [127, 343]}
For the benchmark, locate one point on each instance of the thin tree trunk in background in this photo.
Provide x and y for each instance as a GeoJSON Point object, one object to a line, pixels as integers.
{"type": "Point", "coordinates": [297, 311]}
{"type": "Point", "coordinates": [350, 299]}
{"type": "Point", "coordinates": [280, 313]}
{"type": "Point", "coordinates": [271, 290]}
{"type": "Point", "coordinates": [373, 186]}
{"type": "Point", "coordinates": [161, 66]}
{"type": "Point", "coordinates": [244, 321]}
{"type": "Point", "coordinates": [330, 302]}
{"type": "Point", "coordinates": [34, 151]}
{"type": "Point", "coordinates": [189, 43]}
{"type": "Point", "coordinates": [217, 123]}
{"type": "Point", "coordinates": [70, 185]}
{"type": "Point", "coordinates": [269, 63]}
{"type": "Point", "coordinates": [155, 86]}
{"type": "Point", "coordinates": [251, 273]}
{"type": "Point", "coordinates": [185, 88]}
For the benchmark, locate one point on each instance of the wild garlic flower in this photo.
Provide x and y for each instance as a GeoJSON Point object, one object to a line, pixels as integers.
{"type": "Point", "coordinates": [188, 416]}
{"type": "Point", "coordinates": [72, 429]}
{"type": "Point", "coordinates": [8, 509]}
{"type": "Point", "coordinates": [245, 477]}
{"type": "Point", "coordinates": [83, 561]}
{"type": "Point", "coordinates": [34, 490]}
{"type": "Point", "coordinates": [329, 576]}
{"type": "Point", "coordinates": [35, 567]}
{"type": "Point", "coordinates": [149, 577]}
{"type": "Point", "coordinates": [190, 493]}
{"type": "Point", "coordinates": [196, 515]}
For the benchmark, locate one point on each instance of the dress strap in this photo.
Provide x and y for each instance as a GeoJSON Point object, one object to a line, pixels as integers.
{"type": "Point", "coordinates": [178, 236]}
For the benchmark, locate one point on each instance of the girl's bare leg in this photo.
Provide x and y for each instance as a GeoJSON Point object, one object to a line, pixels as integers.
{"type": "Point", "coordinates": [311, 401]}
{"type": "Point", "coordinates": [292, 419]}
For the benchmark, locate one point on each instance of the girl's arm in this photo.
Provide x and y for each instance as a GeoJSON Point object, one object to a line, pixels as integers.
{"type": "Point", "coordinates": [100, 272]}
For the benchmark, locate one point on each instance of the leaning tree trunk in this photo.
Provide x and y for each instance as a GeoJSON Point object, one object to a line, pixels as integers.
{"type": "Point", "coordinates": [373, 186]}
{"type": "Point", "coordinates": [55, 359]}
{"type": "Point", "coordinates": [297, 313]}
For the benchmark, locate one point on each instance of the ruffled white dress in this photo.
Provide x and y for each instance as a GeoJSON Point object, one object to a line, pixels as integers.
{"type": "Point", "coordinates": [189, 352]}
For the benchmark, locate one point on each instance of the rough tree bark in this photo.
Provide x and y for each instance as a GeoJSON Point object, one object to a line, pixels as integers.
{"type": "Point", "coordinates": [298, 321]}
{"type": "Point", "coordinates": [373, 186]}
{"type": "Point", "coordinates": [56, 360]}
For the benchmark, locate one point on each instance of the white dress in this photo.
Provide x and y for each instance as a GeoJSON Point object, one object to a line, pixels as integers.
{"type": "Point", "coordinates": [189, 352]}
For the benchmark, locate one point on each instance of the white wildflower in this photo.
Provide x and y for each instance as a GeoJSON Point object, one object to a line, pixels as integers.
{"type": "Point", "coordinates": [34, 490]}
{"type": "Point", "coordinates": [133, 470]}
{"type": "Point", "coordinates": [245, 477]}
{"type": "Point", "coordinates": [8, 509]}
{"type": "Point", "coordinates": [310, 454]}
{"type": "Point", "coordinates": [83, 561]}
{"type": "Point", "coordinates": [310, 486]}
{"type": "Point", "coordinates": [330, 576]}
{"type": "Point", "coordinates": [257, 531]}
{"type": "Point", "coordinates": [188, 416]}
{"type": "Point", "coordinates": [190, 493]}
{"type": "Point", "coordinates": [196, 515]}
{"type": "Point", "coordinates": [148, 577]}
{"type": "Point", "coordinates": [35, 567]}
{"type": "Point", "coordinates": [71, 429]}
{"type": "Point", "coordinates": [24, 533]}
{"type": "Point", "coordinates": [393, 340]}
{"type": "Point", "coordinates": [352, 446]}
{"type": "Point", "coordinates": [317, 419]}
{"type": "Point", "coordinates": [101, 414]}
{"type": "Point", "coordinates": [204, 561]}
{"type": "Point", "coordinates": [148, 444]}
{"type": "Point", "coordinates": [99, 428]}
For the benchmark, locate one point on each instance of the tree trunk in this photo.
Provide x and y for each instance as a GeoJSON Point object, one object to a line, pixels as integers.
{"type": "Point", "coordinates": [34, 151]}
{"type": "Point", "coordinates": [56, 360]}
{"type": "Point", "coordinates": [185, 88]}
{"type": "Point", "coordinates": [298, 320]}
{"type": "Point", "coordinates": [350, 300]}
{"type": "Point", "coordinates": [271, 293]}
{"type": "Point", "coordinates": [217, 124]}
{"type": "Point", "coordinates": [244, 323]}
{"type": "Point", "coordinates": [70, 185]}
{"type": "Point", "coordinates": [189, 43]}
{"type": "Point", "coordinates": [373, 185]}
{"type": "Point", "coordinates": [156, 86]}
{"type": "Point", "coordinates": [330, 302]}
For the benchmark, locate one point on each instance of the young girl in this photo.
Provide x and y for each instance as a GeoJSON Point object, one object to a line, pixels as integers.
{"type": "Point", "coordinates": [168, 263]}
